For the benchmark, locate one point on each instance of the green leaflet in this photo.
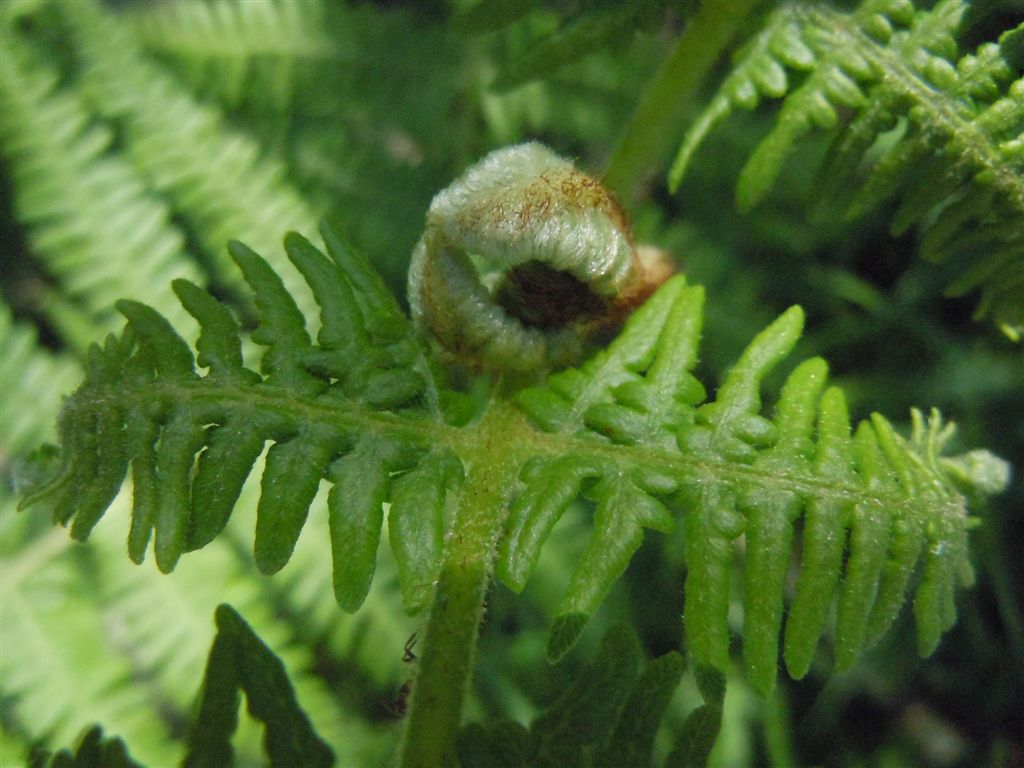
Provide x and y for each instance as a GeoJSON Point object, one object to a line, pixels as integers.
{"type": "Point", "coordinates": [701, 728]}
{"type": "Point", "coordinates": [588, 30]}
{"type": "Point", "coordinates": [606, 717]}
{"type": "Point", "coordinates": [93, 751]}
{"type": "Point", "coordinates": [944, 129]}
{"type": "Point", "coordinates": [631, 431]}
{"type": "Point", "coordinates": [240, 661]}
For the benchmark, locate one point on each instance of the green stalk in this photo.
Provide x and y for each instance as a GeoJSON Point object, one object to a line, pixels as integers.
{"type": "Point", "coordinates": [655, 122]}
{"type": "Point", "coordinates": [449, 642]}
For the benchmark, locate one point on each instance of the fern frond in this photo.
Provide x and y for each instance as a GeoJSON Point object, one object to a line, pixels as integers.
{"type": "Point", "coordinates": [629, 430]}
{"type": "Point", "coordinates": [224, 47]}
{"type": "Point", "coordinates": [216, 178]}
{"type": "Point", "coordinates": [159, 631]}
{"type": "Point", "coordinates": [589, 29]}
{"type": "Point", "coordinates": [364, 367]}
{"type": "Point", "coordinates": [59, 665]}
{"type": "Point", "coordinates": [951, 128]}
{"type": "Point", "coordinates": [239, 661]}
{"type": "Point", "coordinates": [732, 472]}
{"type": "Point", "coordinates": [159, 625]}
{"type": "Point", "coordinates": [88, 212]}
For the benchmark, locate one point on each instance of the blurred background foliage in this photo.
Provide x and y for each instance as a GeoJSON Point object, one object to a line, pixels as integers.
{"type": "Point", "coordinates": [136, 138]}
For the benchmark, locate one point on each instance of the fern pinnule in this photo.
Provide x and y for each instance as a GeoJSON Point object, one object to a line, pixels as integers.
{"type": "Point", "coordinates": [610, 710]}
{"type": "Point", "coordinates": [241, 661]}
{"type": "Point", "coordinates": [947, 130]}
{"type": "Point", "coordinates": [226, 47]}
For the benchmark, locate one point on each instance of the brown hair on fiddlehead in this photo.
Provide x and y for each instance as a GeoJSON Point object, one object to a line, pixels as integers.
{"type": "Point", "coordinates": [523, 259]}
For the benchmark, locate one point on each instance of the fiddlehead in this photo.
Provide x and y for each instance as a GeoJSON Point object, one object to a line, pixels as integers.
{"type": "Point", "coordinates": [522, 259]}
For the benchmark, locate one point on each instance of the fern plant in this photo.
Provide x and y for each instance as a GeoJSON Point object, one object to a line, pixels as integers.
{"type": "Point", "coordinates": [889, 77]}
{"type": "Point", "coordinates": [498, 483]}
{"type": "Point", "coordinates": [629, 429]}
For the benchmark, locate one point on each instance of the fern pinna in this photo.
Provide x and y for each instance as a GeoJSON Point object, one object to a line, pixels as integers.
{"type": "Point", "coordinates": [475, 490]}
{"type": "Point", "coordinates": [941, 134]}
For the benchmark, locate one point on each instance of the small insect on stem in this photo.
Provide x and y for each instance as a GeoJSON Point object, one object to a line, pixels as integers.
{"type": "Point", "coordinates": [408, 656]}
{"type": "Point", "coordinates": [523, 260]}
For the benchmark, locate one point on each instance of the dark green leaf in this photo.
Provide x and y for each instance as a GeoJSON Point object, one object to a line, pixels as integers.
{"type": "Point", "coordinates": [240, 662]}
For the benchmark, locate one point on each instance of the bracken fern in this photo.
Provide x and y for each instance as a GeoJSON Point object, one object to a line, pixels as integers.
{"type": "Point", "coordinates": [218, 179]}
{"type": "Point", "coordinates": [352, 420]}
{"type": "Point", "coordinates": [948, 129]}
{"type": "Point", "coordinates": [87, 210]}
{"type": "Point", "coordinates": [630, 430]}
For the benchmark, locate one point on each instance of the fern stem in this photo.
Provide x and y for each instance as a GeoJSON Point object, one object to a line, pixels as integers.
{"type": "Point", "coordinates": [653, 124]}
{"type": "Point", "coordinates": [449, 642]}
